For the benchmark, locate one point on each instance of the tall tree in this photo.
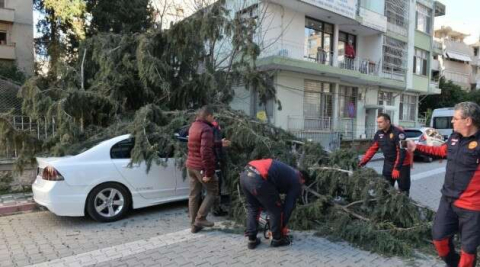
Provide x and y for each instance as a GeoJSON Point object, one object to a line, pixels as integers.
{"type": "Point", "coordinates": [62, 28]}
{"type": "Point", "coordinates": [119, 16]}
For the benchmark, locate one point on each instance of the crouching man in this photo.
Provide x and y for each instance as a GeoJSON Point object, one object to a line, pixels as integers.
{"type": "Point", "coordinates": [262, 183]}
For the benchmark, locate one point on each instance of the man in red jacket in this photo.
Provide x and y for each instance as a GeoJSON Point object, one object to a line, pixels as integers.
{"type": "Point", "coordinates": [262, 182]}
{"type": "Point", "coordinates": [201, 168]}
{"type": "Point", "coordinates": [459, 209]}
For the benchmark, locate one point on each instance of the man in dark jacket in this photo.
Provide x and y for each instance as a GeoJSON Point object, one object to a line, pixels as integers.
{"type": "Point", "coordinates": [262, 182]}
{"type": "Point", "coordinates": [396, 165]}
{"type": "Point", "coordinates": [220, 144]}
{"type": "Point", "coordinates": [201, 168]}
{"type": "Point", "coordinates": [459, 209]}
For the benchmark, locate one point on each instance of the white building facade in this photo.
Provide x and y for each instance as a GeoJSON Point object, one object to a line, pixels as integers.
{"type": "Point", "coordinates": [322, 90]}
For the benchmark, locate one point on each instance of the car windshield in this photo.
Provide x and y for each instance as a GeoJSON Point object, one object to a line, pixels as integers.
{"type": "Point", "coordinates": [412, 133]}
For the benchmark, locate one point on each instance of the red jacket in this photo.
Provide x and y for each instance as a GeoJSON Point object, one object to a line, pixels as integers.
{"type": "Point", "coordinates": [349, 51]}
{"type": "Point", "coordinates": [201, 155]}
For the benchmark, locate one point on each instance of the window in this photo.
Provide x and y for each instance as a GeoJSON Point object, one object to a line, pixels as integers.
{"type": "Point", "coordinates": [122, 149]}
{"type": "Point", "coordinates": [420, 62]}
{"type": "Point", "coordinates": [385, 98]}
{"type": "Point", "coordinates": [424, 18]}
{"type": "Point", "coordinates": [3, 38]}
{"type": "Point", "coordinates": [348, 98]}
{"type": "Point", "coordinates": [2, 3]}
{"type": "Point", "coordinates": [397, 12]}
{"type": "Point", "coordinates": [249, 18]}
{"type": "Point", "coordinates": [475, 51]}
{"type": "Point", "coordinates": [318, 41]}
{"type": "Point", "coordinates": [394, 56]}
{"type": "Point", "coordinates": [408, 107]}
{"type": "Point", "coordinates": [442, 123]}
{"type": "Point", "coordinates": [268, 107]}
{"type": "Point", "coordinates": [317, 105]}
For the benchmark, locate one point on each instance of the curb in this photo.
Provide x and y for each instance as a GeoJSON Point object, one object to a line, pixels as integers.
{"type": "Point", "coordinates": [18, 208]}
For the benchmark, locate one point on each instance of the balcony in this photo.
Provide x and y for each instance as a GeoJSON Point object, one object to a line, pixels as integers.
{"type": "Point", "coordinates": [7, 51]}
{"type": "Point", "coordinates": [397, 29]}
{"type": "Point", "coordinates": [309, 124]}
{"type": "Point", "coordinates": [458, 78]}
{"type": "Point", "coordinates": [295, 51]}
{"type": "Point", "coordinates": [7, 15]}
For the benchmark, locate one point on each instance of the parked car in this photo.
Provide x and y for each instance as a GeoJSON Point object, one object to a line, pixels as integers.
{"type": "Point", "coordinates": [99, 182]}
{"type": "Point", "coordinates": [425, 136]}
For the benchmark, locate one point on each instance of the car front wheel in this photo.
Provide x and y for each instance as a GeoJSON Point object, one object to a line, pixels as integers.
{"type": "Point", "coordinates": [108, 202]}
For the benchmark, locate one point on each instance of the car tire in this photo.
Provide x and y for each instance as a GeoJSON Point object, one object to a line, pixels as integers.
{"type": "Point", "coordinates": [108, 202]}
{"type": "Point", "coordinates": [429, 159]}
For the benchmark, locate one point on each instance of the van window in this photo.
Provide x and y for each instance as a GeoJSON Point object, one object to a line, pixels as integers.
{"type": "Point", "coordinates": [442, 123]}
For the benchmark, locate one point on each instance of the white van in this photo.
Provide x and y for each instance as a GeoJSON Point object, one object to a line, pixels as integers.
{"type": "Point", "coordinates": [442, 121]}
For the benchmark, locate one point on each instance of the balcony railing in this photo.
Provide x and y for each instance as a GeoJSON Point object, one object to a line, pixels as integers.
{"type": "Point", "coordinates": [457, 77]}
{"type": "Point", "coordinates": [394, 75]}
{"type": "Point", "coordinates": [321, 56]}
{"type": "Point", "coordinates": [437, 45]}
{"type": "Point", "coordinates": [7, 51]}
{"type": "Point", "coordinates": [361, 65]}
{"type": "Point", "coordinates": [7, 14]}
{"type": "Point", "coordinates": [397, 29]}
{"type": "Point", "coordinates": [296, 51]}
{"type": "Point", "coordinates": [302, 123]}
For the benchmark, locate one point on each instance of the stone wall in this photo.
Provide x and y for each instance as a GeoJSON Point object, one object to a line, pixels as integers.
{"type": "Point", "coordinates": [12, 182]}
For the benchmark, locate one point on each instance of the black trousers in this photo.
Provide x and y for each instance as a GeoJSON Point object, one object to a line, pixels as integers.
{"type": "Point", "coordinates": [450, 220]}
{"type": "Point", "coordinates": [404, 181]}
{"type": "Point", "coordinates": [260, 194]}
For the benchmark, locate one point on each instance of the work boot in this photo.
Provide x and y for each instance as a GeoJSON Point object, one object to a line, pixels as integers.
{"type": "Point", "coordinates": [195, 229]}
{"type": "Point", "coordinates": [284, 241]}
{"type": "Point", "coordinates": [203, 223]}
{"type": "Point", "coordinates": [253, 243]}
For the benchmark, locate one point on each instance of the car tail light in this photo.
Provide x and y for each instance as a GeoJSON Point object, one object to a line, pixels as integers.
{"type": "Point", "coordinates": [422, 138]}
{"type": "Point", "coordinates": [51, 174]}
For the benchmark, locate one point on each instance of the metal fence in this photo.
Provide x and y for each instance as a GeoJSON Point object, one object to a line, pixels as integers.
{"type": "Point", "coordinates": [41, 129]}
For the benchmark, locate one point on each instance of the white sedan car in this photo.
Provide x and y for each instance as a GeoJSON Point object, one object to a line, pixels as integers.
{"type": "Point", "coordinates": [99, 182]}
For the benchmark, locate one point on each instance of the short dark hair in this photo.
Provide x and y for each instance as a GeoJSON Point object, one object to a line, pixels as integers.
{"type": "Point", "coordinates": [204, 112]}
{"type": "Point", "coordinates": [385, 116]}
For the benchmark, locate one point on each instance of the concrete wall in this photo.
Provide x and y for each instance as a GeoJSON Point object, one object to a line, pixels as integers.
{"type": "Point", "coordinates": [15, 182]}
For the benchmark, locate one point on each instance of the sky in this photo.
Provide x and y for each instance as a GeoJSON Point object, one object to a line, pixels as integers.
{"type": "Point", "coordinates": [462, 16]}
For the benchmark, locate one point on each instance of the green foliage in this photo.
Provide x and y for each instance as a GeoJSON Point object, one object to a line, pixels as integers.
{"type": "Point", "coordinates": [451, 95]}
{"type": "Point", "coordinates": [12, 73]}
{"type": "Point", "coordinates": [119, 16]}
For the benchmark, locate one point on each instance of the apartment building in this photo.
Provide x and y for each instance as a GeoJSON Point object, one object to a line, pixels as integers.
{"type": "Point", "coordinates": [475, 78]}
{"type": "Point", "coordinates": [456, 59]}
{"type": "Point", "coordinates": [322, 88]}
{"type": "Point", "coordinates": [16, 33]}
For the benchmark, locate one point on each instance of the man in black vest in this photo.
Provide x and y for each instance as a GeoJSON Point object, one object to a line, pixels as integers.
{"type": "Point", "coordinates": [459, 209]}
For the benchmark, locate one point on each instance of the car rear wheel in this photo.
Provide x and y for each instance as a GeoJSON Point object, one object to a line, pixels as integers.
{"type": "Point", "coordinates": [429, 159]}
{"type": "Point", "coordinates": [108, 202]}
